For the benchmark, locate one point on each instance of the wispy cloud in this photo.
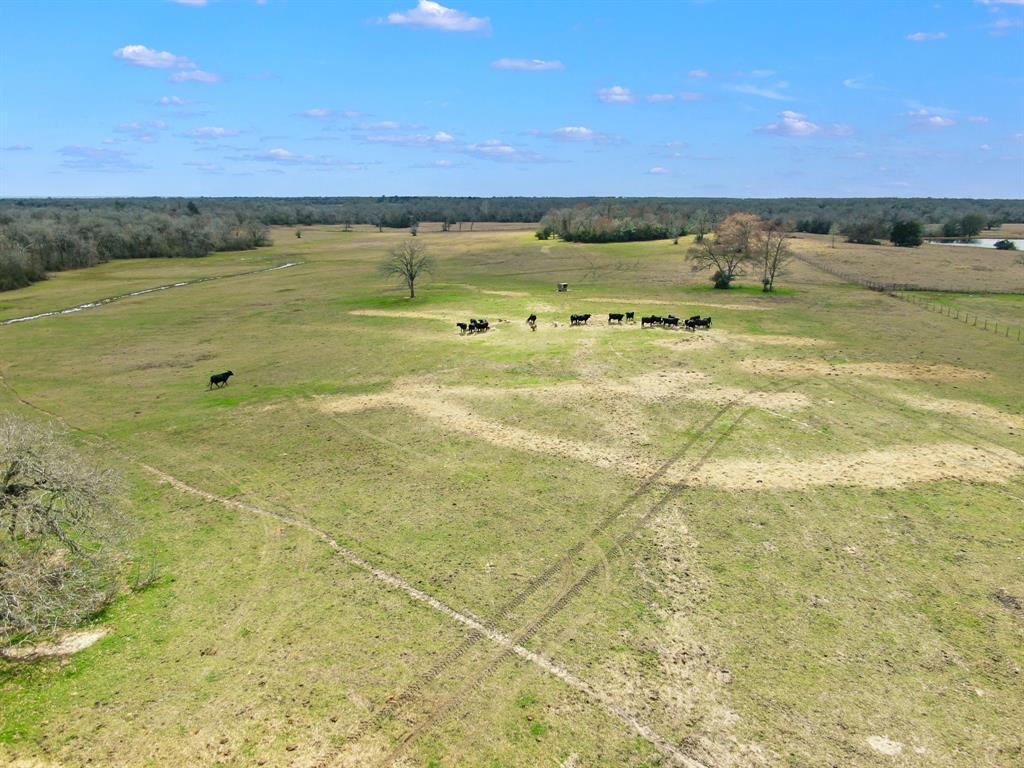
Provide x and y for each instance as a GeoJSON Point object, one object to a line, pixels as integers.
{"type": "Point", "coordinates": [431, 15]}
{"type": "Point", "coordinates": [173, 101]}
{"type": "Point", "coordinates": [194, 3]}
{"type": "Point", "coordinates": [692, 96]}
{"type": "Point", "coordinates": [411, 140]}
{"type": "Point", "coordinates": [925, 118]}
{"type": "Point", "coordinates": [862, 84]}
{"type": "Point", "coordinates": [577, 133]}
{"type": "Point", "coordinates": [616, 94]}
{"type": "Point", "coordinates": [980, 119]}
{"type": "Point", "coordinates": [318, 113]}
{"type": "Point", "coordinates": [78, 157]}
{"type": "Point", "coordinates": [205, 167]}
{"type": "Point", "coordinates": [194, 76]}
{"type": "Point", "coordinates": [145, 131]}
{"type": "Point", "coordinates": [502, 152]}
{"type": "Point", "coordinates": [797, 125]}
{"type": "Point", "coordinates": [658, 171]}
{"type": "Point", "coordinates": [923, 37]}
{"type": "Point", "coordinates": [527, 65]}
{"type": "Point", "coordinates": [699, 73]}
{"type": "Point", "coordinates": [773, 93]}
{"type": "Point", "coordinates": [17, 148]}
{"type": "Point", "coordinates": [660, 98]}
{"type": "Point", "coordinates": [999, 2]}
{"type": "Point", "coordinates": [141, 56]}
{"type": "Point", "coordinates": [1005, 25]}
{"type": "Point", "coordinates": [210, 133]}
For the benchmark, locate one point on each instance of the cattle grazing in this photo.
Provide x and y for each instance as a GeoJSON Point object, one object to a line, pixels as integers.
{"type": "Point", "coordinates": [695, 322]}
{"type": "Point", "coordinates": [670, 321]}
{"type": "Point", "coordinates": [463, 327]}
{"type": "Point", "coordinates": [651, 320]}
{"type": "Point", "coordinates": [615, 317]}
{"type": "Point", "coordinates": [220, 379]}
{"type": "Point", "coordinates": [579, 319]}
{"type": "Point", "coordinates": [478, 326]}
{"type": "Point", "coordinates": [531, 320]}
{"type": "Point", "coordinates": [631, 317]}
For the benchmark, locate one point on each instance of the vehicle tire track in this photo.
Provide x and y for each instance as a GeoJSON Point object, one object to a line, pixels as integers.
{"type": "Point", "coordinates": [156, 289]}
{"type": "Point", "coordinates": [440, 713]}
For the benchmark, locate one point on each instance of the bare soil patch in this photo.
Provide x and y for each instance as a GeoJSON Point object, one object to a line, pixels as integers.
{"type": "Point", "coordinates": [965, 409]}
{"type": "Point", "coordinates": [885, 745]}
{"type": "Point", "coordinates": [870, 370]}
{"type": "Point", "coordinates": [892, 467]}
{"type": "Point", "coordinates": [510, 294]}
{"type": "Point", "coordinates": [405, 314]}
{"type": "Point", "coordinates": [774, 340]}
{"type": "Point", "coordinates": [65, 645]}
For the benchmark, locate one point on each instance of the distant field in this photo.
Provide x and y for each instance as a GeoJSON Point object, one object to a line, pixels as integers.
{"type": "Point", "coordinates": [792, 540]}
{"type": "Point", "coordinates": [935, 266]}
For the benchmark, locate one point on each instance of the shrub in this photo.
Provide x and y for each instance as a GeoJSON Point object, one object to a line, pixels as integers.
{"type": "Point", "coordinates": [1006, 245]}
{"type": "Point", "coordinates": [906, 234]}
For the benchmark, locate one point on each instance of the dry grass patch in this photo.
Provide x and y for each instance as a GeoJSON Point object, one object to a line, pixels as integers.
{"type": "Point", "coordinates": [65, 645]}
{"type": "Point", "coordinates": [964, 409]}
{"type": "Point", "coordinates": [869, 370]}
{"type": "Point", "coordinates": [700, 303]}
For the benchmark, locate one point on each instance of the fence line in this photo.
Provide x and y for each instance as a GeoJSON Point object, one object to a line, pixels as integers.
{"type": "Point", "coordinates": [904, 292]}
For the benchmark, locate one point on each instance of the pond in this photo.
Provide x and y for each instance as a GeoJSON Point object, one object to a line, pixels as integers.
{"type": "Point", "coordinates": [981, 242]}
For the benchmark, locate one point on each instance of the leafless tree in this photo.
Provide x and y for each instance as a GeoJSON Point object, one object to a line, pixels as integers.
{"type": "Point", "coordinates": [770, 253]}
{"type": "Point", "coordinates": [729, 250]}
{"type": "Point", "coordinates": [60, 527]}
{"type": "Point", "coordinates": [408, 261]}
{"type": "Point", "coordinates": [701, 224]}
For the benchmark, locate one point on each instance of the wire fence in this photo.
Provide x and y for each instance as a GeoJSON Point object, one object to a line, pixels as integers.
{"type": "Point", "coordinates": [906, 292]}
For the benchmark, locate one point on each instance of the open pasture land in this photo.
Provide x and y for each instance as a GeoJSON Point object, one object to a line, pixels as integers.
{"type": "Point", "coordinates": [795, 539]}
{"type": "Point", "coordinates": [939, 267]}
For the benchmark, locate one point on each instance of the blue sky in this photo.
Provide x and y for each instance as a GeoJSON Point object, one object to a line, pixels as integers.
{"type": "Point", "coordinates": [722, 98]}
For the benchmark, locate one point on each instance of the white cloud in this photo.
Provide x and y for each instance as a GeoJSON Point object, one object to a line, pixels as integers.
{"type": "Point", "coordinates": [1004, 25]}
{"type": "Point", "coordinates": [430, 15]}
{"type": "Point", "coordinates": [17, 148]}
{"type": "Point", "coordinates": [984, 147]}
{"type": "Point", "coordinates": [195, 3]}
{"type": "Point", "coordinates": [145, 131]}
{"type": "Point", "coordinates": [173, 101]}
{"type": "Point", "coordinates": [209, 133]}
{"type": "Point", "coordinates": [658, 98]}
{"type": "Point", "coordinates": [691, 96]}
{"type": "Point", "coordinates": [205, 167]}
{"type": "Point", "coordinates": [921, 37]}
{"type": "Point", "coordinates": [318, 113]}
{"type": "Point", "coordinates": [658, 171]}
{"type": "Point", "coordinates": [577, 133]}
{"type": "Point", "coordinates": [981, 119]}
{"type": "Point", "coordinates": [924, 118]}
{"type": "Point", "coordinates": [764, 93]}
{"type": "Point", "coordinates": [527, 65]}
{"type": "Point", "coordinates": [498, 151]}
{"type": "Point", "coordinates": [194, 76]}
{"type": "Point", "coordinates": [383, 125]}
{"type": "Point", "coordinates": [616, 95]}
{"type": "Point", "coordinates": [411, 140]}
{"type": "Point", "coordinates": [699, 73]}
{"type": "Point", "coordinates": [797, 125]}
{"type": "Point", "coordinates": [1000, 2]}
{"type": "Point", "coordinates": [78, 157]}
{"type": "Point", "coordinates": [141, 56]}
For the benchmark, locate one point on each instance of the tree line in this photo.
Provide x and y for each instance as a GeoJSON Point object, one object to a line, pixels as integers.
{"type": "Point", "coordinates": [35, 240]}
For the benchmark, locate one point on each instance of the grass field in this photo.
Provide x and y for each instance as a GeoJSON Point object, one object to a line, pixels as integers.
{"type": "Point", "coordinates": [792, 540]}
{"type": "Point", "coordinates": [942, 267]}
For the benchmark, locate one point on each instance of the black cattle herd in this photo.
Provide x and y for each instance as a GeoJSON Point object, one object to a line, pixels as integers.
{"type": "Point", "coordinates": [649, 321]}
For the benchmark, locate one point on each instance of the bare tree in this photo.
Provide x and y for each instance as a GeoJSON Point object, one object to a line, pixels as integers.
{"type": "Point", "coordinates": [59, 530]}
{"type": "Point", "coordinates": [770, 253]}
{"type": "Point", "coordinates": [408, 261]}
{"type": "Point", "coordinates": [701, 224]}
{"type": "Point", "coordinates": [729, 250]}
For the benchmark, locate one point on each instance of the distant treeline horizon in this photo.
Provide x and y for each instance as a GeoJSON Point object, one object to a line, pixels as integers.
{"type": "Point", "coordinates": [40, 235]}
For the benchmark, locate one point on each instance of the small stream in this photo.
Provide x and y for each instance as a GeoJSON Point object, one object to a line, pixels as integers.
{"type": "Point", "coordinates": [143, 292]}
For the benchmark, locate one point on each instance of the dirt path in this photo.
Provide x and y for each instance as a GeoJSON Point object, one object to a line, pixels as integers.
{"type": "Point", "coordinates": [143, 292]}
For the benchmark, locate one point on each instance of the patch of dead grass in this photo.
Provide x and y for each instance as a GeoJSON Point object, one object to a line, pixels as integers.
{"type": "Point", "coordinates": [803, 368]}
{"type": "Point", "coordinates": [66, 645]}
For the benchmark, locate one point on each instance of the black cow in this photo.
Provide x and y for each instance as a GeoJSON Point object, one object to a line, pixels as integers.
{"type": "Point", "coordinates": [478, 326]}
{"type": "Point", "coordinates": [630, 317]}
{"type": "Point", "coordinates": [463, 327]}
{"type": "Point", "coordinates": [697, 321]}
{"type": "Point", "coordinates": [671, 320]}
{"type": "Point", "coordinates": [219, 380]}
{"type": "Point", "coordinates": [615, 317]}
{"type": "Point", "coordinates": [651, 320]}
{"type": "Point", "coordinates": [578, 319]}
{"type": "Point", "coordinates": [531, 320]}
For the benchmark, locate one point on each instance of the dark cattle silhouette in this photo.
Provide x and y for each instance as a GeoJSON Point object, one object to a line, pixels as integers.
{"type": "Point", "coordinates": [463, 327]}
{"type": "Point", "coordinates": [531, 320]}
{"type": "Point", "coordinates": [579, 319]}
{"type": "Point", "coordinates": [671, 320]}
{"type": "Point", "coordinates": [698, 322]}
{"type": "Point", "coordinates": [478, 326]}
{"type": "Point", "coordinates": [650, 320]}
{"type": "Point", "coordinates": [630, 317]}
{"type": "Point", "coordinates": [615, 317]}
{"type": "Point", "coordinates": [220, 379]}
